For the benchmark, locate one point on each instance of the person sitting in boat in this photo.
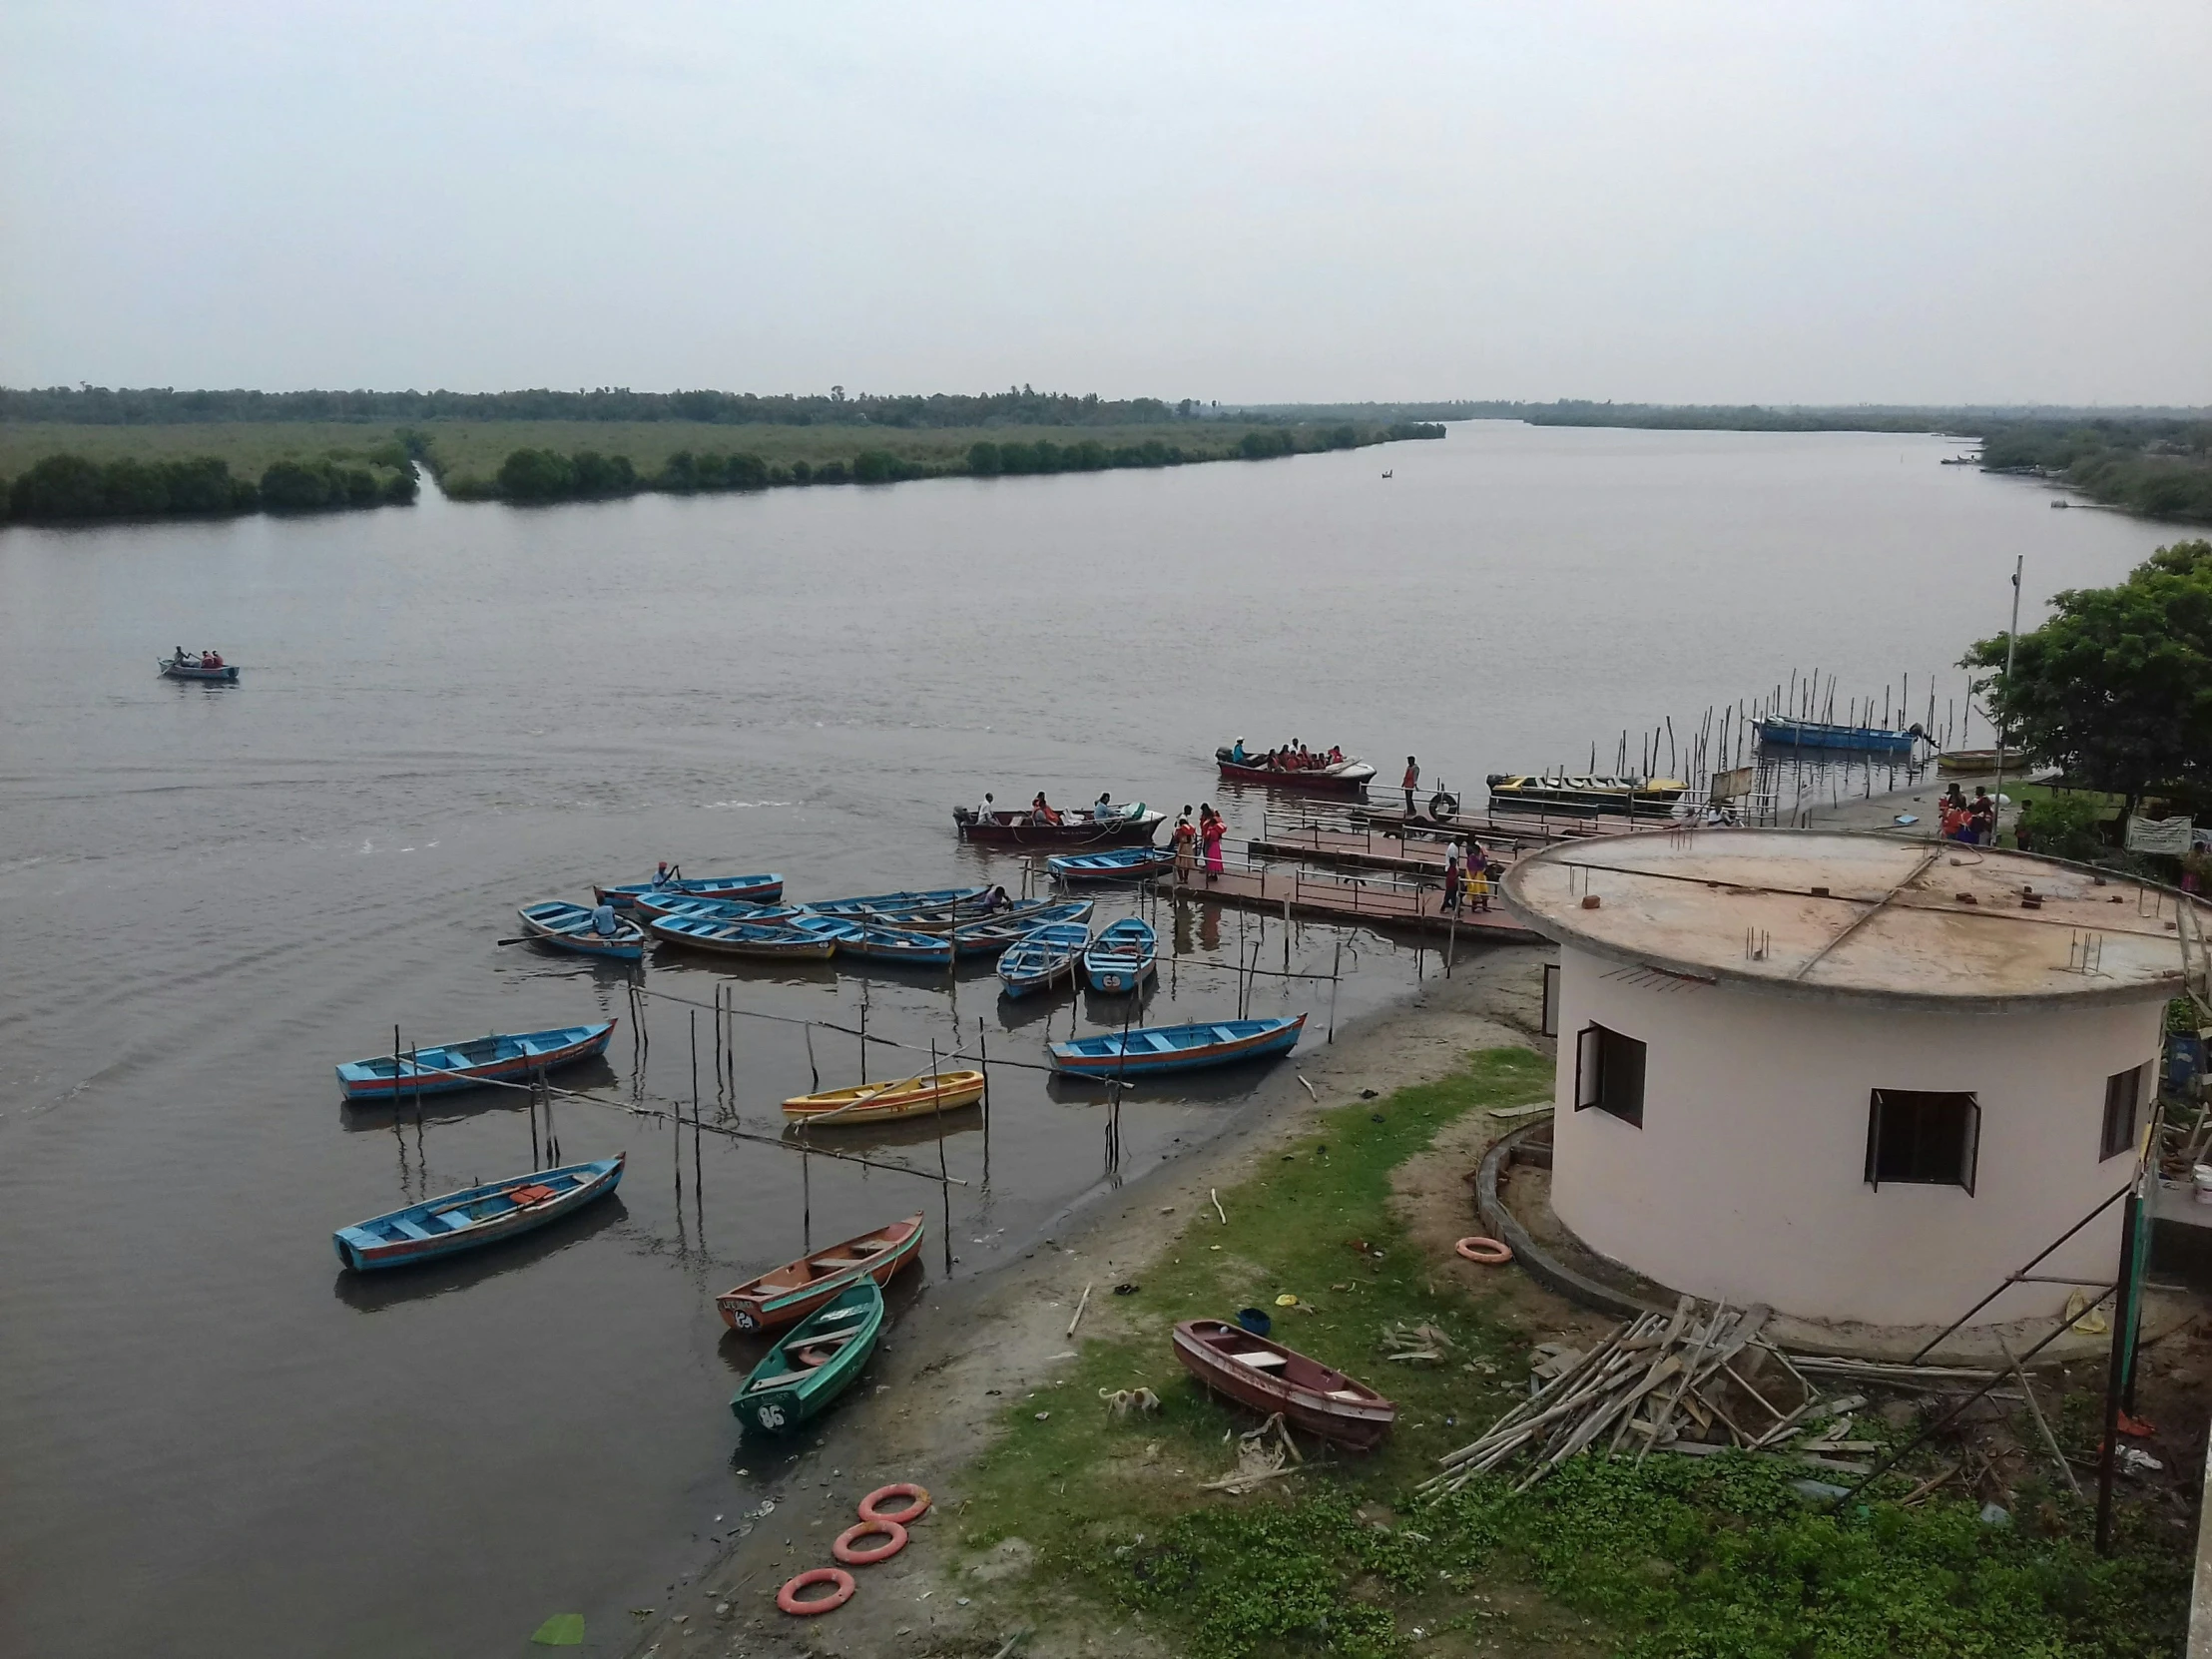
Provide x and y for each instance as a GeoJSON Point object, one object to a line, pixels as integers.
{"type": "Point", "coordinates": [603, 919]}
{"type": "Point", "coordinates": [668, 875]}
{"type": "Point", "coordinates": [1236, 749]}
{"type": "Point", "coordinates": [179, 658]}
{"type": "Point", "coordinates": [995, 900]}
{"type": "Point", "coordinates": [1103, 810]}
{"type": "Point", "coordinates": [1335, 756]}
{"type": "Point", "coordinates": [1041, 813]}
{"type": "Point", "coordinates": [215, 659]}
{"type": "Point", "coordinates": [989, 812]}
{"type": "Point", "coordinates": [207, 659]}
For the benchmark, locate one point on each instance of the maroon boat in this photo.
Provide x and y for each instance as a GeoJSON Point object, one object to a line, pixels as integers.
{"type": "Point", "coordinates": [1128, 826]}
{"type": "Point", "coordinates": [1270, 1377]}
{"type": "Point", "coordinates": [1347, 777]}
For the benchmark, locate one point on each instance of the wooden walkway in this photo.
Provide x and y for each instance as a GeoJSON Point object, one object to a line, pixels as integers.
{"type": "Point", "coordinates": [1353, 848]}
{"type": "Point", "coordinates": [1398, 905]}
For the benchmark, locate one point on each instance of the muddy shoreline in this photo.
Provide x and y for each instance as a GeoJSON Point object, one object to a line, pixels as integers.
{"type": "Point", "coordinates": [929, 1401]}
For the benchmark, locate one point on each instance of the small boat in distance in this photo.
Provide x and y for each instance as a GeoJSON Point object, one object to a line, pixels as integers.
{"type": "Point", "coordinates": [742, 938]}
{"type": "Point", "coordinates": [569, 927]}
{"type": "Point", "coordinates": [1123, 956]}
{"type": "Point", "coordinates": [797, 1289]}
{"type": "Point", "coordinates": [474, 1216]}
{"type": "Point", "coordinates": [1820, 734]}
{"type": "Point", "coordinates": [1129, 864]}
{"type": "Point", "coordinates": [1079, 827]}
{"type": "Point", "coordinates": [1153, 1050]}
{"type": "Point", "coordinates": [1646, 796]}
{"type": "Point", "coordinates": [182, 667]}
{"type": "Point", "coordinates": [752, 889]}
{"type": "Point", "coordinates": [1345, 776]}
{"type": "Point", "coordinates": [1040, 957]}
{"type": "Point", "coordinates": [498, 1057]}
{"type": "Point", "coordinates": [908, 1097]}
{"type": "Point", "coordinates": [798, 1377]}
{"type": "Point", "coordinates": [1269, 1377]}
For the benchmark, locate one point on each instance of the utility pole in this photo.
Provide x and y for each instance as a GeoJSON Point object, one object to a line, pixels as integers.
{"type": "Point", "coordinates": [2011, 639]}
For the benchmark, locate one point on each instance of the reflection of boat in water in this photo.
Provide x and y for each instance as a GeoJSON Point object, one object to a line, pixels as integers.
{"type": "Point", "coordinates": [1656, 795]}
{"type": "Point", "coordinates": [1820, 734]}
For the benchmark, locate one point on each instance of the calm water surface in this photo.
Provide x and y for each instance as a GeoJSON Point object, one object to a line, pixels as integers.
{"type": "Point", "coordinates": [212, 1443]}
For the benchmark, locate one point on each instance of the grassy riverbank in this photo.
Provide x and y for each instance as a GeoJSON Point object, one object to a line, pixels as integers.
{"type": "Point", "coordinates": [1713, 1556]}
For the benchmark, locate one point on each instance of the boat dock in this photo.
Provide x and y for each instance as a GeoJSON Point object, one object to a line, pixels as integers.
{"type": "Point", "coordinates": [1392, 903]}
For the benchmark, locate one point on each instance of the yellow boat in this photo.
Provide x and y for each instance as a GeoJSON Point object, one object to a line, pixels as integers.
{"type": "Point", "coordinates": [908, 1097]}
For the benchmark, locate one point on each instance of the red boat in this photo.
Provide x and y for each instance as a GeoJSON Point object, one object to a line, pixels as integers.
{"type": "Point", "coordinates": [1270, 1377]}
{"type": "Point", "coordinates": [792, 1291]}
{"type": "Point", "coordinates": [1129, 828]}
{"type": "Point", "coordinates": [1347, 777]}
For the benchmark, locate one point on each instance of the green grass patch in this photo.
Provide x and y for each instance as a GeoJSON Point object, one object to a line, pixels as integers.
{"type": "Point", "coordinates": [1717, 1558]}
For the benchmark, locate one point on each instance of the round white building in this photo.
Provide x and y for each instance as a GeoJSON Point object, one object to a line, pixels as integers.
{"type": "Point", "coordinates": [1848, 1076]}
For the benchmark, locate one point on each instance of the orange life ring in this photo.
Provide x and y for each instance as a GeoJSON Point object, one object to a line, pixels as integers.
{"type": "Point", "coordinates": [787, 1597]}
{"type": "Point", "coordinates": [894, 1534]}
{"type": "Point", "coordinates": [1487, 1253]}
{"type": "Point", "coordinates": [904, 1517]}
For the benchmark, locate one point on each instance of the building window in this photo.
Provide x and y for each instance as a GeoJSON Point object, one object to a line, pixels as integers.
{"type": "Point", "coordinates": [1609, 1074]}
{"type": "Point", "coordinates": [1922, 1136]}
{"type": "Point", "coordinates": [2123, 1095]}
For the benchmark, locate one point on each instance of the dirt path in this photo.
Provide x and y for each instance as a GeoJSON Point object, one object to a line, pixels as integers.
{"type": "Point", "coordinates": [965, 1349]}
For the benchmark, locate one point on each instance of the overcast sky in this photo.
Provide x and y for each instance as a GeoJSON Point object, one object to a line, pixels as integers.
{"type": "Point", "coordinates": [1926, 202]}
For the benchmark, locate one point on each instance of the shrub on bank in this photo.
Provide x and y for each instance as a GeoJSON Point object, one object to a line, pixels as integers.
{"type": "Point", "coordinates": [315, 486]}
{"type": "Point", "coordinates": [62, 488]}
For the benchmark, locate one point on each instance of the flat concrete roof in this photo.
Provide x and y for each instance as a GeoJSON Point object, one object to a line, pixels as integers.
{"type": "Point", "coordinates": [1834, 912]}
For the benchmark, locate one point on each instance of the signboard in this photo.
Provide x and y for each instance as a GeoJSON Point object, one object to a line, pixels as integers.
{"type": "Point", "coordinates": [2158, 834]}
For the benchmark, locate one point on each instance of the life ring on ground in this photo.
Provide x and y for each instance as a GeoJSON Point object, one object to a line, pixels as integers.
{"type": "Point", "coordinates": [787, 1597]}
{"type": "Point", "coordinates": [902, 1518]}
{"type": "Point", "coordinates": [1442, 805]}
{"type": "Point", "coordinates": [1487, 1253]}
{"type": "Point", "coordinates": [895, 1541]}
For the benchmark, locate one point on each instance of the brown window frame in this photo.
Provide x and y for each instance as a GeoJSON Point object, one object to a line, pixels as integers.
{"type": "Point", "coordinates": [1891, 1106]}
{"type": "Point", "coordinates": [1610, 1068]}
{"type": "Point", "coordinates": [2123, 1086]}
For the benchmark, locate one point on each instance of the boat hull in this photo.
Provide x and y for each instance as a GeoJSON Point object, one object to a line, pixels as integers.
{"type": "Point", "coordinates": [1351, 778]}
{"type": "Point", "coordinates": [742, 938]}
{"type": "Point", "coordinates": [1858, 740]}
{"type": "Point", "coordinates": [797, 1380]}
{"type": "Point", "coordinates": [362, 1080]}
{"type": "Point", "coordinates": [1323, 1402]}
{"type": "Point", "coordinates": [366, 1246]}
{"type": "Point", "coordinates": [1104, 1057]}
{"type": "Point", "coordinates": [568, 928]}
{"type": "Point", "coordinates": [886, 1103]}
{"type": "Point", "coordinates": [228, 675]}
{"type": "Point", "coordinates": [1107, 867]}
{"type": "Point", "coordinates": [1038, 960]}
{"type": "Point", "coordinates": [1015, 830]}
{"type": "Point", "coordinates": [1654, 798]}
{"type": "Point", "coordinates": [790, 1293]}
{"type": "Point", "coordinates": [746, 889]}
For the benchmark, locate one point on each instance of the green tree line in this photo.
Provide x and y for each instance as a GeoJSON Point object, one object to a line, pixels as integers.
{"type": "Point", "coordinates": [2158, 468]}
{"type": "Point", "coordinates": [73, 488]}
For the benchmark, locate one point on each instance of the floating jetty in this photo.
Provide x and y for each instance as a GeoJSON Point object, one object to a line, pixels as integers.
{"type": "Point", "coordinates": [1391, 904]}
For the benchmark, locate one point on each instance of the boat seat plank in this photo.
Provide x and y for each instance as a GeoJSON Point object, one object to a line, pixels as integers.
{"type": "Point", "coordinates": [1261, 1361]}
{"type": "Point", "coordinates": [414, 1230]}
{"type": "Point", "coordinates": [838, 1263]}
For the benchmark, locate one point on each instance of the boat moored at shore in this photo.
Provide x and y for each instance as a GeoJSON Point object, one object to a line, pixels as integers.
{"type": "Point", "coordinates": [797, 1289]}
{"type": "Point", "coordinates": [1151, 1050]}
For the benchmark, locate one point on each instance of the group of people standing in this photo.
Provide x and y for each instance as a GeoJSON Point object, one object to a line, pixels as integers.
{"type": "Point", "coordinates": [1468, 876]}
{"type": "Point", "coordinates": [1201, 840]}
{"type": "Point", "coordinates": [1972, 822]}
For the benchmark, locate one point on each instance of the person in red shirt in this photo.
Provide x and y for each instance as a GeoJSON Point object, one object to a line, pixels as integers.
{"type": "Point", "coordinates": [1413, 782]}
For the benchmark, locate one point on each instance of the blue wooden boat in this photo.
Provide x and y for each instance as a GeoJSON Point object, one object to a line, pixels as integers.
{"type": "Point", "coordinates": [569, 926]}
{"type": "Point", "coordinates": [944, 918]}
{"type": "Point", "coordinates": [742, 938]}
{"type": "Point", "coordinates": [1815, 734]}
{"type": "Point", "coordinates": [753, 890]}
{"type": "Point", "coordinates": [990, 937]}
{"type": "Point", "coordinates": [1159, 1048]}
{"type": "Point", "coordinates": [512, 1056]}
{"type": "Point", "coordinates": [475, 1216]}
{"type": "Point", "coordinates": [1123, 956]}
{"type": "Point", "coordinates": [874, 942]}
{"type": "Point", "coordinates": [649, 907]}
{"type": "Point", "coordinates": [1125, 864]}
{"type": "Point", "coordinates": [887, 904]}
{"type": "Point", "coordinates": [188, 668]}
{"type": "Point", "coordinates": [1041, 957]}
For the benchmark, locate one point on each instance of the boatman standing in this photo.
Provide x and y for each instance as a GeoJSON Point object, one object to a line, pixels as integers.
{"type": "Point", "coordinates": [1413, 782]}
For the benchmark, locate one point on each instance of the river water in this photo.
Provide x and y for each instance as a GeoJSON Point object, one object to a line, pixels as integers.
{"type": "Point", "coordinates": [213, 1442]}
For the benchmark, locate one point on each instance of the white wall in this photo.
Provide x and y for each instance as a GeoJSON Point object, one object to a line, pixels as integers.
{"type": "Point", "coordinates": [1747, 1179]}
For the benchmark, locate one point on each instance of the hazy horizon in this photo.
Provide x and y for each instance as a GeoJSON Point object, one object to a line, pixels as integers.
{"type": "Point", "coordinates": [1994, 205]}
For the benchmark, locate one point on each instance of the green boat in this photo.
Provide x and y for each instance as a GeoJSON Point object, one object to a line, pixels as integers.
{"type": "Point", "coordinates": [816, 1362]}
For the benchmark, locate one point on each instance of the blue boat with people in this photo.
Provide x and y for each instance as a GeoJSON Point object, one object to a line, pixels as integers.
{"type": "Point", "coordinates": [1124, 864]}
{"type": "Point", "coordinates": [1124, 955]}
{"type": "Point", "coordinates": [1153, 1050]}
{"type": "Point", "coordinates": [1816, 733]}
{"type": "Point", "coordinates": [1043, 957]}
{"type": "Point", "coordinates": [569, 926]}
{"type": "Point", "coordinates": [475, 1216]}
{"type": "Point", "coordinates": [753, 889]}
{"type": "Point", "coordinates": [500, 1057]}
